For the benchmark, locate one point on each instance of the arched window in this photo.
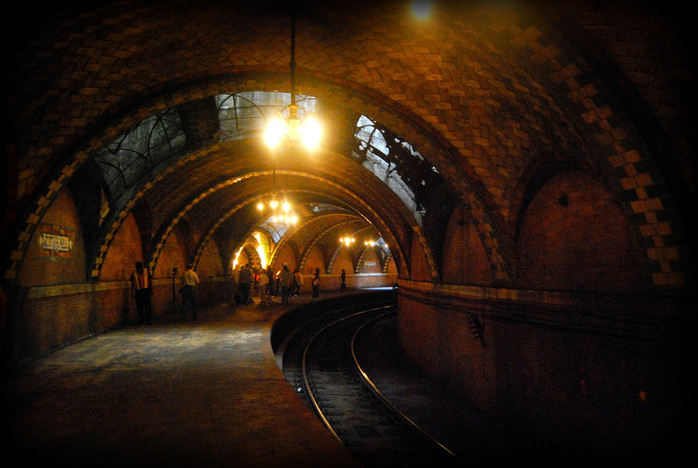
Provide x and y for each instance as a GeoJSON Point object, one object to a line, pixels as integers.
{"type": "Point", "coordinates": [125, 160]}
{"type": "Point", "coordinates": [397, 163]}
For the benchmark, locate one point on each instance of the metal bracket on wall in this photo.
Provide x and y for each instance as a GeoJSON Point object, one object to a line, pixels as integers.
{"type": "Point", "coordinates": [477, 328]}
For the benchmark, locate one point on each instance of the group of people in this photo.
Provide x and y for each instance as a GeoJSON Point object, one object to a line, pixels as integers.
{"type": "Point", "coordinates": [142, 292]}
{"type": "Point", "coordinates": [246, 281]}
{"type": "Point", "coordinates": [285, 284]}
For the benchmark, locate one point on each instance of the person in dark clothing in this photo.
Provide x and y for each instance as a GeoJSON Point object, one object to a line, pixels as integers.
{"type": "Point", "coordinates": [245, 284]}
{"type": "Point", "coordinates": [235, 283]}
{"type": "Point", "coordinates": [142, 292]}
{"type": "Point", "coordinates": [285, 278]}
{"type": "Point", "coordinates": [297, 282]}
{"type": "Point", "coordinates": [316, 283]}
{"type": "Point", "coordinates": [270, 285]}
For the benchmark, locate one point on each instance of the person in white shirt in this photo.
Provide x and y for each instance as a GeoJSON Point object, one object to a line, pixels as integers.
{"type": "Point", "coordinates": [263, 288]}
{"type": "Point", "coordinates": [189, 282]}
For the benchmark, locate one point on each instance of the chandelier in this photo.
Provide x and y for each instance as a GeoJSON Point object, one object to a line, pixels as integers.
{"type": "Point", "coordinates": [347, 239]}
{"type": "Point", "coordinates": [280, 210]}
{"type": "Point", "coordinates": [293, 128]}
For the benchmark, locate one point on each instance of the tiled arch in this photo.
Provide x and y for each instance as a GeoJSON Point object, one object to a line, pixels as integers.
{"type": "Point", "coordinates": [618, 151]}
{"type": "Point", "coordinates": [245, 81]}
{"type": "Point", "coordinates": [579, 96]}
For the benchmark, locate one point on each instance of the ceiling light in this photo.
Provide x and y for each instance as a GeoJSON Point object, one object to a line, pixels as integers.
{"type": "Point", "coordinates": [293, 128]}
{"type": "Point", "coordinates": [347, 240]}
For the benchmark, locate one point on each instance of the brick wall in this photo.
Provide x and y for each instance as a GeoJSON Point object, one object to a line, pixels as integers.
{"type": "Point", "coordinates": [51, 317]}
{"type": "Point", "coordinates": [419, 267]}
{"type": "Point", "coordinates": [464, 257]}
{"type": "Point", "coordinates": [315, 259]}
{"type": "Point", "coordinates": [210, 263]}
{"type": "Point", "coordinates": [173, 253]}
{"type": "Point", "coordinates": [371, 263]}
{"type": "Point", "coordinates": [536, 364]}
{"type": "Point", "coordinates": [573, 236]}
{"type": "Point", "coordinates": [343, 261]}
{"type": "Point", "coordinates": [288, 256]}
{"type": "Point", "coordinates": [56, 306]}
{"type": "Point", "coordinates": [654, 55]}
{"type": "Point", "coordinates": [124, 252]}
{"type": "Point", "coordinates": [44, 266]}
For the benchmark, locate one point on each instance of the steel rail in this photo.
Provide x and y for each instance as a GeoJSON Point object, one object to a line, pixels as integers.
{"type": "Point", "coordinates": [304, 369]}
{"type": "Point", "coordinates": [374, 314]}
{"type": "Point", "coordinates": [385, 400]}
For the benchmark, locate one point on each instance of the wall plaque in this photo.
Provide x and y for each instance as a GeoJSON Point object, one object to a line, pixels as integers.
{"type": "Point", "coordinates": [55, 241]}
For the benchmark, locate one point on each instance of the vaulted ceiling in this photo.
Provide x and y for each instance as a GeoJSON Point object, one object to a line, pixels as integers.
{"type": "Point", "coordinates": [122, 102]}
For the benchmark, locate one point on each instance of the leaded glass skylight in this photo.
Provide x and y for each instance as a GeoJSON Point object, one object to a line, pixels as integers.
{"type": "Point", "coordinates": [241, 113]}
{"type": "Point", "coordinates": [396, 163]}
{"type": "Point", "coordinates": [275, 230]}
{"type": "Point", "coordinates": [126, 159]}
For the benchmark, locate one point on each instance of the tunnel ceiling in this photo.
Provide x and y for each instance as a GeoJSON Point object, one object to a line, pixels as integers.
{"type": "Point", "coordinates": [135, 103]}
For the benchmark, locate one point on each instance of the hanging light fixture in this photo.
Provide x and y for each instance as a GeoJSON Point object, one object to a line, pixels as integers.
{"type": "Point", "coordinates": [281, 211]}
{"type": "Point", "coordinates": [294, 129]}
{"type": "Point", "coordinates": [347, 240]}
{"type": "Point", "coordinates": [284, 214]}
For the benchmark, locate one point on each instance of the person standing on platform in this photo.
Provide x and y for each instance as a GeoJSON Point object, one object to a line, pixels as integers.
{"type": "Point", "coordinates": [264, 298]}
{"type": "Point", "coordinates": [142, 292]}
{"type": "Point", "coordinates": [297, 282]}
{"type": "Point", "coordinates": [270, 285]}
{"type": "Point", "coordinates": [245, 284]}
{"type": "Point", "coordinates": [285, 278]}
{"type": "Point", "coordinates": [255, 284]}
{"type": "Point", "coordinates": [190, 281]}
{"type": "Point", "coordinates": [343, 285]}
{"type": "Point", "coordinates": [235, 282]}
{"type": "Point", "coordinates": [316, 283]}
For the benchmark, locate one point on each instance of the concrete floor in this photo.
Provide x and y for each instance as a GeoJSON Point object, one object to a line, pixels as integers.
{"type": "Point", "coordinates": [206, 393]}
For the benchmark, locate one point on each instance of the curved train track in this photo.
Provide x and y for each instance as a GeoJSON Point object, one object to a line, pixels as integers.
{"type": "Point", "coordinates": [318, 359]}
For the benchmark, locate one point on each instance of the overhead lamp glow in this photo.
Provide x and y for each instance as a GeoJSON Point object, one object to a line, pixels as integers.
{"type": "Point", "coordinates": [275, 131]}
{"type": "Point", "coordinates": [421, 8]}
{"type": "Point", "coordinates": [281, 211]}
{"type": "Point", "coordinates": [347, 240]}
{"type": "Point", "coordinates": [312, 132]}
{"type": "Point", "coordinates": [293, 128]}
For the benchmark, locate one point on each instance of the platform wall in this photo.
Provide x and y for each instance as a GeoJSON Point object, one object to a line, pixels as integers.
{"type": "Point", "coordinates": [587, 372]}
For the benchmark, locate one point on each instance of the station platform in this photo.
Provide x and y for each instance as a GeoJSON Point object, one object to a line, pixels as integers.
{"type": "Point", "coordinates": [211, 393]}
{"type": "Point", "coordinates": [182, 394]}
{"type": "Point", "coordinates": [206, 393]}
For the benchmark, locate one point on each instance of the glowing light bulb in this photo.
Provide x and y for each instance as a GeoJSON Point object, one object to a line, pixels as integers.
{"type": "Point", "coordinates": [276, 127]}
{"type": "Point", "coordinates": [311, 132]}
